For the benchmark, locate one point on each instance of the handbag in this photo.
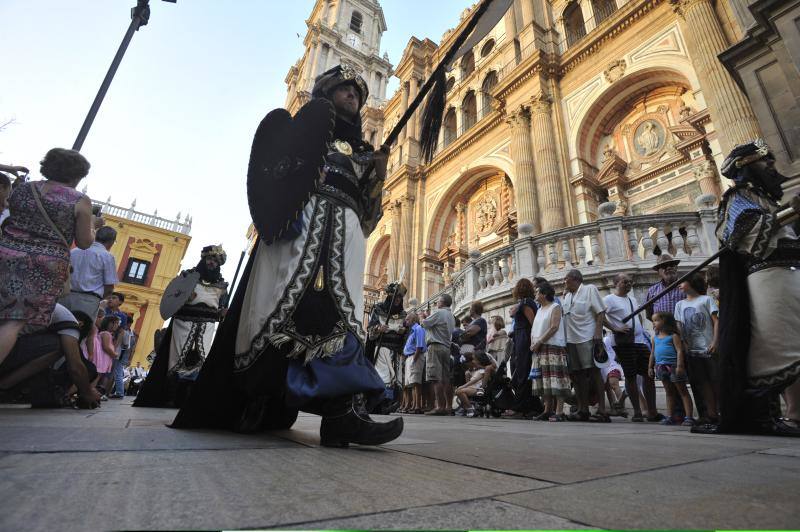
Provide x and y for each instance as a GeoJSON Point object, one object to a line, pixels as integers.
{"type": "Point", "coordinates": [344, 373]}
{"type": "Point", "coordinates": [629, 337]}
{"type": "Point", "coordinates": [35, 193]}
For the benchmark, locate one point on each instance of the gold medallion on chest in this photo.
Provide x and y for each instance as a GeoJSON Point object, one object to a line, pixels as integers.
{"type": "Point", "coordinates": [343, 147]}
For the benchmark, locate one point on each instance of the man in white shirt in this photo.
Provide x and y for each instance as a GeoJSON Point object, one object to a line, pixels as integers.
{"type": "Point", "coordinates": [584, 311]}
{"type": "Point", "coordinates": [630, 345]}
{"type": "Point", "coordinates": [94, 274]}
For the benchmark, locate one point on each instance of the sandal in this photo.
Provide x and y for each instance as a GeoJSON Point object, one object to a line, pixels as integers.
{"type": "Point", "coordinates": [579, 416]}
{"type": "Point", "coordinates": [557, 417]}
{"type": "Point", "coordinates": [658, 418]}
{"type": "Point", "coordinates": [600, 418]}
{"type": "Point", "coordinates": [637, 418]}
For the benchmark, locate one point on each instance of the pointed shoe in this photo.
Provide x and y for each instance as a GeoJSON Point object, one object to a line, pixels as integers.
{"type": "Point", "coordinates": [344, 429]}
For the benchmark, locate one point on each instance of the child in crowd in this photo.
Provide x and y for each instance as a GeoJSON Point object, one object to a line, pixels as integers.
{"type": "Point", "coordinates": [474, 378]}
{"type": "Point", "coordinates": [697, 320]}
{"type": "Point", "coordinates": [667, 363]}
{"type": "Point", "coordinates": [105, 356]}
{"type": "Point", "coordinates": [712, 280]}
{"type": "Point", "coordinates": [497, 339]}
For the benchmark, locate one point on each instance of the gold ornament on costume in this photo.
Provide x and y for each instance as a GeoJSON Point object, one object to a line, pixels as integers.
{"type": "Point", "coordinates": [319, 282]}
{"type": "Point", "coordinates": [343, 147]}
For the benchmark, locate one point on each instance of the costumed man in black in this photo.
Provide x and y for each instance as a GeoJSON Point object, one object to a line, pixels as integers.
{"type": "Point", "coordinates": [387, 334]}
{"type": "Point", "coordinates": [195, 300]}
{"type": "Point", "coordinates": [293, 338]}
{"type": "Point", "coordinates": [759, 323]}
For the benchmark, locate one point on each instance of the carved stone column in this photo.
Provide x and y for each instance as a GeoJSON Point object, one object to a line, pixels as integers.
{"type": "Point", "coordinates": [404, 88]}
{"type": "Point", "coordinates": [413, 131]}
{"type": "Point", "coordinates": [706, 174]}
{"type": "Point", "coordinates": [460, 226]}
{"type": "Point", "coordinates": [525, 179]}
{"type": "Point", "coordinates": [734, 119]}
{"type": "Point", "coordinates": [394, 240]}
{"type": "Point", "coordinates": [548, 175]}
{"type": "Point", "coordinates": [405, 261]}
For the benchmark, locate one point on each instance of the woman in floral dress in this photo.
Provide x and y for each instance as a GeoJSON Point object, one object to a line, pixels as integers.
{"type": "Point", "coordinates": [34, 249]}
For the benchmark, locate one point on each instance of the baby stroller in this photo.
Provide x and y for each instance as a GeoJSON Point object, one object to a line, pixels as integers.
{"type": "Point", "coordinates": [497, 395]}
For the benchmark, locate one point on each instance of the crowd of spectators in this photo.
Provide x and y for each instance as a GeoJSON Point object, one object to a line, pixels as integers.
{"type": "Point", "coordinates": [63, 338]}
{"type": "Point", "coordinates": [562, 356]}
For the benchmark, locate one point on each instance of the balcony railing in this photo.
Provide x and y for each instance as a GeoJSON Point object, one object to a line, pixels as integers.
{"type": "Point", "coordinates": [153, 220]}
{"type": "Point", "coordinates": [607, 246]}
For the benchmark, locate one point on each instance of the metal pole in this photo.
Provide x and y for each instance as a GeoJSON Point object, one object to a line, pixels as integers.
{"type": "Point", "coordinates": [139, 16]}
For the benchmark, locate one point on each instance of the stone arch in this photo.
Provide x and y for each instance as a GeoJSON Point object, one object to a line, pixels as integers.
{"type": "Point", "coordinates": [443, 212]}
{"type": "Point", "coordinates": [589, 126]}
{"type": "Point", "coordinates": [377, 263]}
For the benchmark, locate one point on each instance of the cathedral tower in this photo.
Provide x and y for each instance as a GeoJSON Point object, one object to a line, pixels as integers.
{"type": "Point", "coordinates": [344, 32]}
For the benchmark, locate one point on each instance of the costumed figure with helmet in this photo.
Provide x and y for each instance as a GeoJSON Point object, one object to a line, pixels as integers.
{"type": "Point", "coordinates": [195, 300]}
{"type": "Point", "coordinates": [385, 341]}
{"type": "Point", "coordinates": [759, 322]}
{"type": "Point", "coordinates": [293, 337]}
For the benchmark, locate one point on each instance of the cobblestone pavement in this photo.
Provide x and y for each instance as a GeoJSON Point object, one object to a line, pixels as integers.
{"type": "Point", "coordinates": [121, 468]}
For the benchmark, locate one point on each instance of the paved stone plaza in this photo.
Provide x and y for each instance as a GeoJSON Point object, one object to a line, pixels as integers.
{"type": "Point", "coordinates": [121, 468]}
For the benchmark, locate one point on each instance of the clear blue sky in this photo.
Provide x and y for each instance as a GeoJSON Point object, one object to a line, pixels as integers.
{"type": "Point", "coordinates": [175, 129]}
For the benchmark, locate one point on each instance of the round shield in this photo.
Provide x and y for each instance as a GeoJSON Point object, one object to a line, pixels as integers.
{"type": "Point", "coordinates": [178, 292]}
{"type": "Point", "coordinates": [285, 159]}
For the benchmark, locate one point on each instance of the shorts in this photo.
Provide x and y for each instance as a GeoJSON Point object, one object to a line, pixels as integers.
{"type": "Point", "coordinates": [414, 370]}
{"type": "Point", "coordinates": [579, 356]}
{"type": "Point", "coordinates": [81, 302]}
{"type": "Point", "coordinates": [666, 373]}
{"type": "Point", "coordinates": [634, 359]}
{"type": "Point", "coordinates": [702, 368]}
{"type": "Point", "coordinates": [437, 363]}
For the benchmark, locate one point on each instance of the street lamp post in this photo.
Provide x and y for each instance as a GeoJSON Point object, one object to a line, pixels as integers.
{"type": "Point", "coordinates": [139, 17]}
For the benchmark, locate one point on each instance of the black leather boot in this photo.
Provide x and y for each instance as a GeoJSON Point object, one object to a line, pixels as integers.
{"type": "Point", "coordinates": [343, 425]}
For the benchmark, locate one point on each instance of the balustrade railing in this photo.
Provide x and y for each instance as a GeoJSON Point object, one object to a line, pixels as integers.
{"type": "Point", "coordinates": [153, 220]}
{"type": "Point", "coordinates": [611, 244]}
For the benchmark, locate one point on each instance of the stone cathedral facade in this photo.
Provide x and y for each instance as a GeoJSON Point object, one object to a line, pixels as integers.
{"type": "Point", "coordinates": [567, 113]}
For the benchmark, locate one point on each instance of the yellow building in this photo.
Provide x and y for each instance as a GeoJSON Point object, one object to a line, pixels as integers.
{"type": "Point", "coordinates": [148, 252]}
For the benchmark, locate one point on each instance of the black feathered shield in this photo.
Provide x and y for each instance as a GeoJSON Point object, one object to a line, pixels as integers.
{"type": "Point", "coordinates": [284, 165]}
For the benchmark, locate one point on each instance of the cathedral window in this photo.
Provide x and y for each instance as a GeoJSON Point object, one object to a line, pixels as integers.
{"type": "Point", "coordinates": [486, 92]}
{"type": "Point", "coordinates": [573, 23]}
{"type": "Point", "coordinates": [487, 48]}
{"type": "Point", "coordinates": [470, 109]}
{"type": "Point", "coordinates": [356, 21]}
{"type": "Point", "coordinates": [450, 84]}
{"type": "Point", "coordinates": [603, 9]}
{"type": "Point", "coordinates": [467, 64]}
{"type": "Point", "coordinates": [449, 122]}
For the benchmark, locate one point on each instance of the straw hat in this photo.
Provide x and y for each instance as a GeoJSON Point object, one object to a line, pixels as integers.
{"type": "Point", "coordinates": [665, 261]}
